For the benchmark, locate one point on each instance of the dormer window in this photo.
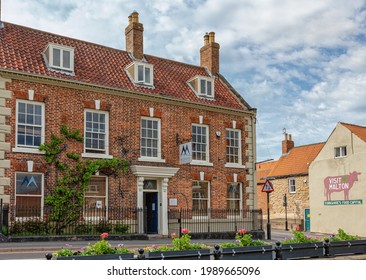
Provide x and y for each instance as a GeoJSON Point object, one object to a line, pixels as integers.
{"type": "Point", "coordinates": [141, 73]}
{"type": "Point", "coordinates": [203, 86]}
{"type": "Point", "coordinates": [60, 57]}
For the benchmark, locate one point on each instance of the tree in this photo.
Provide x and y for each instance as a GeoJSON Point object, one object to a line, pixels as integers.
{"type": "Point", "coordinates": [72, 176]}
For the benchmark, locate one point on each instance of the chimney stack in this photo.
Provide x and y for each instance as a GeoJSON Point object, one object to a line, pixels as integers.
{"type": "Point", "coordinates": [287, 144]}
{"type": "Point", "coordinates": [210, 53]}
{"type": "Point", "coordinates": [134, 36]}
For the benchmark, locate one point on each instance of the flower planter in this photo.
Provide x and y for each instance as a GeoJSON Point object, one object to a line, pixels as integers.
{"type": "Point", "coordinates": [201, 254]}
{"type": "Point", "coordinates": [338, 248]}
{"type": "Point", "coordinates": [248, 253]}
{"type": "Point", "coordinates": [302, 250]}
{"type": "Point", "coordinates": [128, 256]}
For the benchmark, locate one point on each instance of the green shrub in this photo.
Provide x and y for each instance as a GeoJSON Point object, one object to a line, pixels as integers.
{"type": "Point", "coordinates": [300, 237]}
{"type": "Point", "coordinates": [342, 236]}
{"type": "Point", "coordinates": [103, 226]}
{"type": "Point", "coordinates": [120, 227]}
{"type": "Point", "coordinates": [30, 227]}
{"type": "Point", "coordinates": [84, 228]}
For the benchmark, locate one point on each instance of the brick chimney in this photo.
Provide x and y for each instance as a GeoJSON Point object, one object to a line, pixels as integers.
{"type": "Point", "coordinates": [134, 36]}
{"type": "Point", "coordinates": [287, 144]}
{"type": "Point", "coordinates": [210, 53]}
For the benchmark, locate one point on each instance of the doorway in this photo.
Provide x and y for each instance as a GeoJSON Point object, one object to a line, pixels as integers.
{"type": "Point", "coordinates": [151, 212]}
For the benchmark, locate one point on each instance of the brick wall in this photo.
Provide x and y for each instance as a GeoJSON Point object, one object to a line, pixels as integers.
{"type": "Point", "coordinates": [66, 105]}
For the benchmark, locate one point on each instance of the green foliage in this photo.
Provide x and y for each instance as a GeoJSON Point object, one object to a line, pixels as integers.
{"type": "Point", "coordinates": [104, 226]}
{"type": "Point", "coordinates": [29, 227]}
{"type": "Point", "coordinates": [243, 239]}
{"type": "Point", "coordinates": [4, 230]}
{"type": "Point", "coordinates": [64, 252]}
{"type": "Point", "coordinates": [300, 237]}
{"type": "Point", "coordinates": [84, 228]}
{"type": "Point", "coordinates": [342, 236]}
{"type": "Point", "coordinates": [73, 176]}
{"type": "Point", "coordinates": [120, 227]}
{"type": "Point", "coordinates": [100, 248]}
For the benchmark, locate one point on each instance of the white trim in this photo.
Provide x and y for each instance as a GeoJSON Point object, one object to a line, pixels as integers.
{"type": "Point", "coordinates": [145, 65]}
{"type": "Point", "coordinates": [27, 151]}
{"type": "Point", "coordinates": [234, 165]}
{"type": "Point", "coordinates": [91, 155]}
{"type": "Point", "coordinates": [153, 171]}
{"type": "Point", "coordinates": [30, 94]}
{"type": "Point", "coordinates": [201, 163]}
{"type": "Point", "coordinates": [151, 159]}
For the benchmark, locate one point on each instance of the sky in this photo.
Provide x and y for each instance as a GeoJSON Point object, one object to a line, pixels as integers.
{"type": "Point", "coordinates": [301, 64]}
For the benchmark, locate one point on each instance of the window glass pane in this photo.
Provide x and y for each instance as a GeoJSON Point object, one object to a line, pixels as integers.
{"type": "Point", "coordinates": [56, 57]}
{"type": "Point", "coordinates": [66, 59]}
{"type": "Point", "coordinates": [209, 88]}
{"type": "Point", "coordinates": [203, 87]}
{"type": "Point", "coordinates": [140, 73]}
{"type": "Point", "coordinates": [28, 184]}
{"type": "Point", "coordinates": [147, 75]}
{"type": "Point", "coordinates": [95, 142]}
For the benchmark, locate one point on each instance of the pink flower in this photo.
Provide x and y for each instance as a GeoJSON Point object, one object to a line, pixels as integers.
{"type": "Point", "coordinates": [104, 235]}
{"type": "Point", "coordinates": [241, 232]}
{"type": "Point", "coordinates": [173, 235]}
{"type": "Point", "coordinates": [185, 230]}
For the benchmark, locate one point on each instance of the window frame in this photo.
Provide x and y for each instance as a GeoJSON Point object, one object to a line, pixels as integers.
{"type": "Point", "coordinates": [292, 187]}
{"type": "Point", "coordinates": [96, 217]}
{"type": "Point", "coordinates": [24, 148]}
{"type": "Point", "coordinates": [342, 150]}
{"type": "Point", "coordinates": [240, 199]}
{"type": "Point", "coordinates": [229, 163]}
{"type": "Point", "coordinates": [159, 141]}
{"type": "Point", "coordinates": [205, 94]}
{"type": "Point", "coordinates": [208, 199]}
{"type": "Point", "coordinates": [207, 150]}
{"type": "Point", "coordinates": [88, 152]}
{"type": "Point", "coordinates": [144, 80]}
{"type": "Point", "coordinates": [62, 48]}
{"type": "Point", "coordinates": [41, 196]}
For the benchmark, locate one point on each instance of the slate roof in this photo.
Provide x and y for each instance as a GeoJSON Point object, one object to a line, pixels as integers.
{"type": "Point", "coordinates": [358, 130]}
{"type": "Point", "coordinates": [296, 161]}
{"type": "Point", "coordinates": [21, 51]}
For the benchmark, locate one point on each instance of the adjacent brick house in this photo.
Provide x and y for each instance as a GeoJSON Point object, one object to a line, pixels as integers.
{"type": "Point", "coordinates": [289, 176]}
{"type": "Point", "coordinates": [126, 103]}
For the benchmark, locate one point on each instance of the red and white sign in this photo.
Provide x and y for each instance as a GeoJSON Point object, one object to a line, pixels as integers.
{"type": "Point", "coordinates": [267, 187]}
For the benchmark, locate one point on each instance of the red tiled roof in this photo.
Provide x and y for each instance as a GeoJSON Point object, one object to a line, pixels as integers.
{"type": "Point", "coordinates": [358, 130]}
{"type": "Point", "coordinates": [297, 161]}
{"type": "Point", "coordinates": [21, 50]}
{"type": "Point", "coordinates": [263, 169]}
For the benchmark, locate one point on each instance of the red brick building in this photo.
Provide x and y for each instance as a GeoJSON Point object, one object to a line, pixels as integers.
{"type": "Point", "coordinates": [130, 104]}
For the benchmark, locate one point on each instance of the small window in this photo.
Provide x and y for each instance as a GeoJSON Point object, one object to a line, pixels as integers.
{"type": "Point", "coordinates": [141, 73]}
{"type": "Point", "coordinates": [200, 149]}
{"type": "Point", "coordinates": [340, 152]}
{"type": "Point", "coordinates": [150, 138]}
{"type": "Point", "coordinates": [202, 86]}
{"type": "Point", "coordinates": [233, 146]}
{"type": "Point", "coordinates": [291, 185]}
{"type": "Point", "coordinates": [60, 57]}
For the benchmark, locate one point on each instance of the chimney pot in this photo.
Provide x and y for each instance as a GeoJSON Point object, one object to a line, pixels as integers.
{"type": "Point", "coordinates": [212, 37]}
{"type": "Point", "coordinates": [134, 36]}
{"type": "Point", "coordinates": [206, 39]}
{"type": "Point", "coordinates": [287, 144]}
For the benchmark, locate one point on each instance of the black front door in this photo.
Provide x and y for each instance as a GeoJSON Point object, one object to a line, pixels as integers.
{"type": "Point", "coordinates": [151, 206]}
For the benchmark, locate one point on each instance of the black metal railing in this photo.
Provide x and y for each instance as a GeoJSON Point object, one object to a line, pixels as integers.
{"type": "Point", "coordinates": [215, 220]}
{"type": "Point", "coordinates": [33, 221]}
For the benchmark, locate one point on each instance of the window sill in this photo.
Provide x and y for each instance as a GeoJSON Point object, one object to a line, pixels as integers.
{"type": "Point", "coordinates": [201, 163]}
{"type": "Point", "coordinates": [234, 165]}
{"type": "Point", "coordinates": [151, 159]}
{"type": "Point", "coordinates": [27, 151]}
{"type": "Point", "coordinates": [90, 155]}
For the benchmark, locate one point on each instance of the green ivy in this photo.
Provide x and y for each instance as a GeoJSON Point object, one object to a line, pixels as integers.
{"type": "Point", "coordinates": [73, 175]}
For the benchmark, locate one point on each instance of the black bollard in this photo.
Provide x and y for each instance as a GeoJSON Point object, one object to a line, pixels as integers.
{"type": "Point", "coordinates": [48, 256]}
{"type": "Point", "coordinates": [326, 247]}
{"type": "Point", "coordinates": [217, 252]}
{"type": "Point", "coordinates": [141, 255]}
{"type": "Point", "coordinates": [278, 250]}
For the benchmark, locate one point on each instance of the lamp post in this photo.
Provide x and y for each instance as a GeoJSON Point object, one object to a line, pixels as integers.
{"type": "Point", "coordinates": [285, 205]}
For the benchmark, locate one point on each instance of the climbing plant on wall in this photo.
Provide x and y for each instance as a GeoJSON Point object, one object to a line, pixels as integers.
{"type": "Point", "coordinates": [72, 175]}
